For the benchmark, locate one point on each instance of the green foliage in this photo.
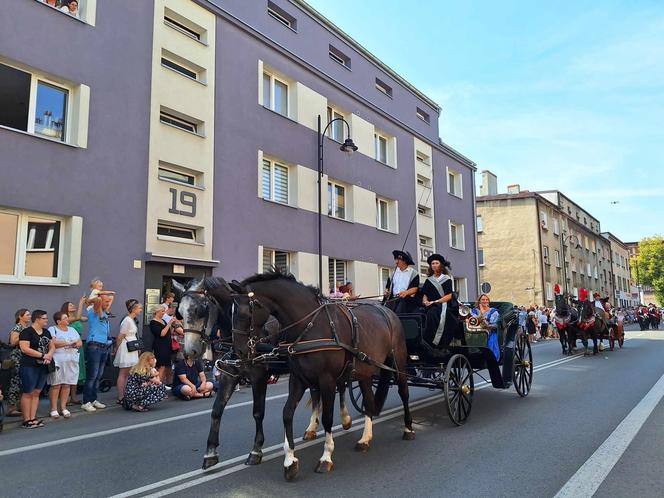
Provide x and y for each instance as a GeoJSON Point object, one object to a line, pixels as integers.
{"type": "Point", "coordinates": [648, 267]}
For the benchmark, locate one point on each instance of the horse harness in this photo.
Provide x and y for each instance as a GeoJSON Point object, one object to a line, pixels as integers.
{"type": "Point", "coordinates": [301, 345]}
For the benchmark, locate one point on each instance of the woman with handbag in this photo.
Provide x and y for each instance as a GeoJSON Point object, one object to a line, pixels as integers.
{"type": "Point", "coordinates": [128, 346]}
{"type": "Point", "coordinates": [65, 377]}
{"type": "Point", "coordinates": [161, 342]}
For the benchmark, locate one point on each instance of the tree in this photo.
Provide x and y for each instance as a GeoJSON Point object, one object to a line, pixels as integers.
{"type": "Point", "coordinates": [648, 266]}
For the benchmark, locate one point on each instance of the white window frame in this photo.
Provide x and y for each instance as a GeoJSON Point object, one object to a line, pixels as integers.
{"type": "Point", "coordinates": [478, 222]}
{"type": "Point", "coordinates": [332, 200]}
{"type": "Point", "coordinates": [588, 269]}
{"type": "Point", "coordinates": [461, 288]}
{"type": "Point", "coordinates": [544, 220]}
{"type": "Point", "coordinates": [377, 138]}
{"type": "Point", "coordinates": [35, 79]}
{"type": "Point", "coordinates": [379, 217]}
{"type": "Point", "coordinates": [170, 119]}
{"type": "Point", "coordinates": [549, 291]}
{"type": "Point", "coordinates": [271, 105]}
{"type": "Point", "coordinates": [545, 255]}
{"type": "Point", "coordinates": [273, 258]}
{"type": "Point", "coordinates": [556, 254]}
{"type": "Point", "coordinates": [423, 181]}
{"type": "Point", "coordinates": [185, 26]}
{"type": "Point", "coordinates": [334, 262]}
{"type": "Point", "coordinates": [195, 231]}
{"type": "Point", "coordinates": [480, 257]}
{"type": "Point", "coordinates": [556, 226]}
{"type": "Point", "coordinates": [273, 165]}
{"type": "Point", "coordinates": [20, 258]}
{"type": "Point", "coordinates": [423, 158]}
{"type": "Point", "coordinates": [458, 247]}
{"type": "Point", "coordinates": [334, 113]}
{"type": "Point", "coordinates": [457, 186]}
{"type": "Point", "coordinates": [382, 282]}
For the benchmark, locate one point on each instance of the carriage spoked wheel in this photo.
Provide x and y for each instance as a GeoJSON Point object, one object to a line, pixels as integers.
{"type": "Point", "coordinates": [522, 373]}
{"type": "Point", "coordinates": [355, 394]}
{"type": "Point", "coordinates": [459, 388]}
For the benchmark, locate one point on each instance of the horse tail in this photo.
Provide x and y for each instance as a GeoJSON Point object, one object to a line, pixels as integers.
{"type": "Point", "coordinates": [383, 387]}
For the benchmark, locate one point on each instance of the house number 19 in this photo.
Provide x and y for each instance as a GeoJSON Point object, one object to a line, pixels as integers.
{"type": "Point", "coordinates": [187, 199]}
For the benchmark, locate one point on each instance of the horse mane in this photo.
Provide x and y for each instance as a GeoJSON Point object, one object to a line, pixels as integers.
{"type": "Point", "coordinates": [276, 274]}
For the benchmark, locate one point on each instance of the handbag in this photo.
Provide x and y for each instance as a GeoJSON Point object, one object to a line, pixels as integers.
{"type": "Point", "coordinates": [175, 345]}
{"type": "Point", "coordinates": [135, 345]}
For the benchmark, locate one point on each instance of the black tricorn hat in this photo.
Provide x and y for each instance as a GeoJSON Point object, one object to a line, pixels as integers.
{"type": "Point", "coordinates": [438, 257]}
{"type": "Point", "coordinates": [403, 255]}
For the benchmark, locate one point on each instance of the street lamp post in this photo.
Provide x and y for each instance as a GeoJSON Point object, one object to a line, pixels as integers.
{"type": "Point", "coordinates": [564, 239]}
{"type": "Point", "coordinates": [348, 147]}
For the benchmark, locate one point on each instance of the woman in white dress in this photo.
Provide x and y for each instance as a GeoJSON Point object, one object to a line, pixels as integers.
{"type": "Point", "coordinates": [125, 359]}
{"type": "Point", "coordinates": [67, 341]}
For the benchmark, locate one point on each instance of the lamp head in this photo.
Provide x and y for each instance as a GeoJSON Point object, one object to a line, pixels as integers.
{"type": "Point", "coordinates": [348, 146]}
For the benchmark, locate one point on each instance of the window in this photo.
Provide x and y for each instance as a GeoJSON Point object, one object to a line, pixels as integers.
{"type": "Point", "coordinates": [77, 9]}
{"type": "Point", "coordinates": [339, 57]}
{"type": "Point", "coordinates": [549, 291]}
{"type": "Point", "coordinates": [337, 130]}
{"type": "Point", "coordinates": [423, 158]}
{"type": "Point", "coordinates": [423, 181]}
{"type": "Point", "coordinates": [168, 173]}
{"type": "Point", "coordinates": [595, 274]}
{"type": "Point", "coordinates": [182, 66]}
{"type": "Point", "coordinates": [382, 214]}
{"type": "Point", "coordinates": [546, 255]}
{"type": "Point", "coordinates": [185, 26]}
{"type": "Point", "coordinates": [423, 210]}
{"type": "Point", "coordinates": [556, 255]}
{"type": "Point", "coordinates": [454, 186]}
{"type": "Point", "coordinates": [383, 277]}
{"type": "Point", "coordinates": [588, 269]}
{"type": "Point", "coordinates": [556, 226]}
{"type": "Point", "coordinates": [380, 145]}
{"type": "Point", "coordinates": [50, 104]}
{"type": "Point", "coordinates": [336, 200]}
{"type": "Point", "coordinates": [275, 182]}
{"type": "Point", "coordinates": [383, 87]}
{"type": "Point", "coordinates": [276, 259]}
{"type": "Point", "coordinates": [461, 288]}
{"type": "Point", "coordinates": [183, 124]}
{"type": "Point", "coordinates": [279, 14]}
{"type": "Point", "coordinates": [38, 248]}
{"type": "Point", "coordinates": [480, 257]}
{"type": "Point", "coordinates": [544, 220]}
{"type": "Point", "coordinates": [337, 273]}
{"type": "Point", "coordinates": [275, 94]}
{"type": "Point", "coordinates": [480, 227]}
{"type": "Point", "coordinates": [176, 232]}
{"type": "Point", "coordinates": [457, 236]}
{"type": "Point", "coordinates": [424, 116]}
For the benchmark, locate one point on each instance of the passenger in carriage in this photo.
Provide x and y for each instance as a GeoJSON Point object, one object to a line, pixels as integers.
{"type": "Point", "coordinates": [403, 286]}
{"type": "Point", "coordinates": [489, 317]}
{"type": "Point", "coordinates": [442, 307]}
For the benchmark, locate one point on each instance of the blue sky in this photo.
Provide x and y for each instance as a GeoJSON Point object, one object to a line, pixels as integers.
{"type": "Point", "coordinates": [559, 95]}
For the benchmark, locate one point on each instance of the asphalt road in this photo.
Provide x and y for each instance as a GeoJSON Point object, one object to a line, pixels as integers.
{"type": "Point", "coordinates": [590, 424]}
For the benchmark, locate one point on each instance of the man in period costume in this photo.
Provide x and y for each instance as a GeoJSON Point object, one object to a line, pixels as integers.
{"type": "Point", "coordinates": [403, 285]}
{"type": "Point", "coordinates": [442, 307]}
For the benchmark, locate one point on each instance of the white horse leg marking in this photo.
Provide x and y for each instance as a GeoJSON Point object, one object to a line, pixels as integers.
{"type": "Point", "coordinates": [345, 416]}
{"type": "Point", "coordinates": [313, 421]}
{"type": "Point", "coordinates": [289, 458]}
{"type": "Point", "coordinates": [367, 435]}
{"type": "Point", "coordinates": [328, 448]}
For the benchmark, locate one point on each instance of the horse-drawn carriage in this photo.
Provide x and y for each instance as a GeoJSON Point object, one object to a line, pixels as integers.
{"type": "Point", "coordinates": [452, 369]}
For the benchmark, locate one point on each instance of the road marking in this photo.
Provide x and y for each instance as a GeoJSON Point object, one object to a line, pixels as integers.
{"type": "Point", "coordinates": [586, 480]}
{"type": "Point", "coordinates": [117, 430]}
{"type": "Point", "coordinates": [275, 451]}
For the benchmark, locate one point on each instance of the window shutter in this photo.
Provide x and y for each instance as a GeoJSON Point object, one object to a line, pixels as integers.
{"type": "Point", "coordinates": [267, 180]}
{"type": "Point", "coordinates": [267, 259]}
{"type": "Point", "coordinates": [280, 183]}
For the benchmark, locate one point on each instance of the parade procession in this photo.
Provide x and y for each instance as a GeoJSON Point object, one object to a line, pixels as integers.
{"type": "Point", "coordinates": [245, 252]}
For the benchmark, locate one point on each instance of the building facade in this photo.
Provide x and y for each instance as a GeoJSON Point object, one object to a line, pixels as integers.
{"type": "Point", "coordinates": [624, 293]}
{"type": "Point", "coordinates": [195, 153]}
{"type": "Point", "coordinates": [530, 241]}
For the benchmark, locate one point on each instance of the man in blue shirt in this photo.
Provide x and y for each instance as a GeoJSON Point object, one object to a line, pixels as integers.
{"type": "Point", "coordinates": [97, 349]}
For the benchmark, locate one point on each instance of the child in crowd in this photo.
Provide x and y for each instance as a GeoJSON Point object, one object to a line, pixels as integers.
{"type": "Point", "coordinates": [96, 291]}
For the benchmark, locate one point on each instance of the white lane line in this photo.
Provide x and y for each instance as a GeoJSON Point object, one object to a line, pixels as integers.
{"type": "Point", "coordinates": [214, 473]}
{"type": "Point", "coordinates": [586, 480]}
{"type": "Point", "coordinates": [117, 430]}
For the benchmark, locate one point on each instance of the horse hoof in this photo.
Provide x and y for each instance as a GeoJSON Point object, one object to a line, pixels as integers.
{"type": "Point", "coordinates": [408, 435]}
{"type": "Point", "coordinates": [323, 467]}
{"type": "Point", "coordinates": [309, 436]}
{"type": "Point", "coordinates": [254, 459]}
{"type": "Point", "coordinates": [362, 447]}
{"type": "Point", "coordinates": [291, 471]}
{"type": "Point", "coordinates": [346, 424]}
{"type": "Point", "coordinates": [210, 461]}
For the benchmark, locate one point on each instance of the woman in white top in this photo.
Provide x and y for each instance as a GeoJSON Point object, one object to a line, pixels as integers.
{"type": "Point", "coordinates": [125, 359]}
{"type": "Point", "coordinates": [67, 341]}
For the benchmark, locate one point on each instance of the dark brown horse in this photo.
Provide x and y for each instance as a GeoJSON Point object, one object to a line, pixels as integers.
{"type": "Point", "coordinates": [324, 342]}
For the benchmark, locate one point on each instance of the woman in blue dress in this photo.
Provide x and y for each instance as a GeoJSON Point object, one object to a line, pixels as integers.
{"type": "Point", "coordinates": [489, 318]}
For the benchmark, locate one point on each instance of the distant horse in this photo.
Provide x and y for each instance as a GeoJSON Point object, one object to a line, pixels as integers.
{"type": "Point", "coordinates": [565, 320]}
{"type": "Point", "coordinates": [590, 325]}
{"type": "Point", "coordinates": [323, 342]}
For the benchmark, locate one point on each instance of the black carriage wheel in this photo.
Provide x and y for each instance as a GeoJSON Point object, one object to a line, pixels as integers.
{"type": "Point", "coordinates": [459, 388]}
{"type": "Point", "coordinates": [522, 373]}
{"type": "Point", "coordinates": [355, 395]}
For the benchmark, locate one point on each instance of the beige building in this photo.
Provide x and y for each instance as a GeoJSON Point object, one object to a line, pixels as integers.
{"type": "Point", "coordinates": [623, 286]}
{"type": "Point", "coordinates": [524, 237]}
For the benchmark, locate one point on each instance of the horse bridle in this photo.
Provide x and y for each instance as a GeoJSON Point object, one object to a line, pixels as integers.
{"type": "Point", "coordinates": [203, 330]}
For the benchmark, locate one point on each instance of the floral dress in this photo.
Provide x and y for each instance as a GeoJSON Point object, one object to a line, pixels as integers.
{"type": "Point", "coordinates": [14, 392]}
{"type": "Point", "coordinates": [138, 394]}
